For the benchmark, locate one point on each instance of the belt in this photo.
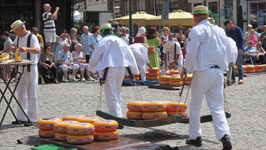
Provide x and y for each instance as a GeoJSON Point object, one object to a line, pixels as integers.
{"type": "Point", "coordinates": [215, 67]}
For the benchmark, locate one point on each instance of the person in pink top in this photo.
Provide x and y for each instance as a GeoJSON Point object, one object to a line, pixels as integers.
{"type": "Point", "coordinates": [253, 37]}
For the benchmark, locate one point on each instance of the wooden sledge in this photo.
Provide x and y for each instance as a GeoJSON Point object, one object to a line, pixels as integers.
{"type": "Point", "coordinates": [158, 86]}
{"type": "Point", "coordinates": [153, 122]}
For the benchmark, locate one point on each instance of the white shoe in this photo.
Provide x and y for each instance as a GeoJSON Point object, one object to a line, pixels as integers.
{"type": "Point", "coordinates": [74, 79]}
{"type": "Point", "coordinates": [83, 79]}
{"type": "Point", "coordinates": [90, 79]}
{"type": "Point", "coordinates": [1, 80]}
{"type": "Point", "coordinates": [65, 79]}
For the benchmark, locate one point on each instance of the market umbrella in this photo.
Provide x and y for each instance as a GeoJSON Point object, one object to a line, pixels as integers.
{"type": "Point", "coordinates": [137, 19]}
{"type": "Point", "coordinates": [176, 18]}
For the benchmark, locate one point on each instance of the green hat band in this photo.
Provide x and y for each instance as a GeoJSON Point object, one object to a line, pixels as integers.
{"type": "Point", "coordinates": [200, 11]}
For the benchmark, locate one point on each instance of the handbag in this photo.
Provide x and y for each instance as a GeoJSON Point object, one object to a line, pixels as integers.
{"type": "Point", "coordinates": [151, 50]}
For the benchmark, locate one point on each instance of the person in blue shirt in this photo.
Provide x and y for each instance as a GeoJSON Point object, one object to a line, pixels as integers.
{"type": "Point", "coordinates": [236, 34]}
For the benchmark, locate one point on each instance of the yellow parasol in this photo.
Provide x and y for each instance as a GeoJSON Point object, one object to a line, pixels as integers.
{"type": "Point", "coordinates": [137, 19]}
{"type": "Point", "coordinates": [176, 18]}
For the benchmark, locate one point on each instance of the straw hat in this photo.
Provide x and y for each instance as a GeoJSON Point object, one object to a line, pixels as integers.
{"type": "Point", "coordinates": [106, 26]}
{"type": "Point", "coordinates": [169, 46]}
{"type": "Point", "coordinates": [200, 10]}
{"type": "Point", "coordinates": [16, 24]}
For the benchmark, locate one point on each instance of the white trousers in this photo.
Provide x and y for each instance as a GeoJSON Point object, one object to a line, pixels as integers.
{"type": "Point", "coordinates": [112, 89]}
{"type": "Point", "coordinates": [65, 67]}
{"type": "Point", "coordinates": [27, 93]}
{"type": "Point", "coordinates": [209, 83]}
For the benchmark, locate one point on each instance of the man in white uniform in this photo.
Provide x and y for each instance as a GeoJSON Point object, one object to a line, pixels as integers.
{"type": "Point", "coordinates": [113, 53]}
{"type": "Point", "coordinates": [172, 55]}
{"type": "Point", "coordinates": [141, 56]}
{"type": "Point", "coordinates": [206, 58]}
{"type": "Point", "coordinates": [27, 87]}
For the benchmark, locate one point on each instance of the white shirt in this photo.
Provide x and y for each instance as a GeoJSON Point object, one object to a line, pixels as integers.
{"type": "Point", "coordinates": [140, 53]}
{"type": "Point", "coordinates": [171, 55]}
{"type": "Point", "coordinates": [112, 51]}
{"type": "Point", "coordinates": [33, 44]}
{"type": "Point", "coordinates": [206, 46]}
{"type": "Point", "coordinates": [232, 51]}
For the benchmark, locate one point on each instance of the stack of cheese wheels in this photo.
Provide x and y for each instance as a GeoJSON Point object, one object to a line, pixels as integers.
{"type": "Point", "coordinates": [105, 130]}
{"type": "Point", "coordinates": [244, 69]}
{"type": "Point", "coordinates": [60, 129]}
{"type": "Point", "coordinates": [236, 69]}
{"type": "Point", "coordinates": [153, 74]}
{"type": "Point", "coordinates": [174, 72]}
{"type": "Point", "coordinates": [250, 68]}
{"type": "Point", "coordinates": [134, 110]}
{"type": "Point", "coordinates": [264, 67]}
{"type": "Point", "coordinates": [165, 80]}
{"type": "Point", "coordinates": [154, 110]}
{"type": "Point", "coordinates": [188, 79]}
{"type": "Point", "coordinates": [137, 77]}
{"type": "Point", "coordinates": [176, 81]}
{"type": "Point", "coordinates": [175, 108]}
{"type": "Point", "coordinates": [46, 127]}
{"type": "Point", "coordinates": [259, 68]}
{"type": "Point", "coordinates": [80, 133]}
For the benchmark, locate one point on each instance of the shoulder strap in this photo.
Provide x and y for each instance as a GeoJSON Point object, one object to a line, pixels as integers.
{"type": "Point", "coordinates": [28, 54]}
{"type": "Point", "coordinates": [175, 51]}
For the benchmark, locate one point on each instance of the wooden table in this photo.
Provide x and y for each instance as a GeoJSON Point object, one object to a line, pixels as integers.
{"type": "Point", "coordinates": [7, 88]}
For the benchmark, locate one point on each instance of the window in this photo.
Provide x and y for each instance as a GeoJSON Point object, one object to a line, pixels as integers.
{"type": "Point", "coordinates": [213, 7]}
{"type": "Point", "coordinates": [141, 5]}
{"type": "Point", "coordinates": [8, 2]}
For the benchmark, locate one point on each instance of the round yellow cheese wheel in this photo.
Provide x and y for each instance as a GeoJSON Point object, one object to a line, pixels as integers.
{"type": "Point", "coordinates": [88, 119]}
{"type": "Point", "coordinates": [105, 125]}
{"type": "Point", "coordinates": [46, 133]}
{"type": "Point", "coordinates": [134, 115]}
{"type": "Point", "coordinates": [61, 136]}
{"type": "Point", "coordinates": [104, 136]}
{"type": "Point", "coordinates": [47, 124]}
{"type": "Point", "coordinates": [135, 106]}
{"type": "Point", "coordinates": [154, 115]}
{"type": "Point", "coordinates": [154, 106]}
{"type": "Point", "coordinates": [73, 117]}
{"type": "Point", "coordinates": [62, 126]}
{"type": "Point", "coordinates": [80, 128]}
{"type": "Point", "coordinates": [80, 139]}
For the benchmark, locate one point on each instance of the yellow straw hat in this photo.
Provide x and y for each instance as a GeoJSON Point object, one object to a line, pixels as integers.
{"type": "Point", "coordinates": [200, 10]}
{"type": "Point", "coordinates": [16, 24]}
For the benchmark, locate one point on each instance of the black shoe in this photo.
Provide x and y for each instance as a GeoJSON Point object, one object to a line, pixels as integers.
{"type": "Point", "coordinates": [29, 123]}
{"type": "Point", "coordinates": [120, 127]}
{"type": "Point", "coordinates": [196, 142]}
{"type": "Point", "coordinates": [226, 142]}
{"type": "Point", "coordinates": [18, 122]}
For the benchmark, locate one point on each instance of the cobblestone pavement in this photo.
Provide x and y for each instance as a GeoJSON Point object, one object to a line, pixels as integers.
{"type": "Point", "coordinates": [246, 103]}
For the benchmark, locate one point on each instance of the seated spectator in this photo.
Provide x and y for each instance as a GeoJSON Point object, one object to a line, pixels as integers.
{"type": "Point", "coordinates": [80, 59]}
{"type": "Point", "coordinates": [63, 38]}
{"type": "Point", "coordinates": [253, 55]}
{"type": "Point", "coordinates": [260, 48]}
{"type": "Point", "coordinates": [47, 63]}
{"type": "Point", "coordinates": [65, 61]}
